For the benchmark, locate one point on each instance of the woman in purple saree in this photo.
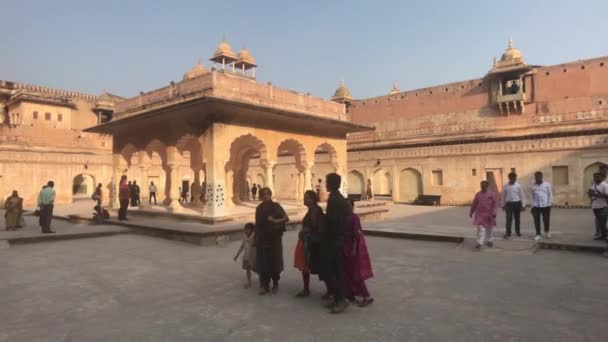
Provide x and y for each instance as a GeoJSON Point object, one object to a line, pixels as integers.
{"type": "Point", "coordinates": [356, 262]}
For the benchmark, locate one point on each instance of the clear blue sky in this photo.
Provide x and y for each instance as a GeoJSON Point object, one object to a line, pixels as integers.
{"type": "Point", "coordinates": [129, 46]}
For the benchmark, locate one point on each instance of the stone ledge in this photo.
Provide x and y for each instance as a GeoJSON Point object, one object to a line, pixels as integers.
{"type": "Point", "coordinates": [61, 236]}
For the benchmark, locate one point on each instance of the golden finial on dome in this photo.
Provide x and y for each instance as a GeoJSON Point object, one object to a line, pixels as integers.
{"type": "Point", "coordinates": [395, 89]}
{"type": "Point", "coordinates": [342, 93]}
{"type": "Point", "coordinates": [510, 46]}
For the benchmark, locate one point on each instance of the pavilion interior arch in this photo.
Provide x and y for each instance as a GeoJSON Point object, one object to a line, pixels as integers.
{"type": "Point", "coordinates": [288, 172]}
{"type": "Point", "coordinates": [157, 170]}
{"type": "Point", "coordinates": [191, 169]}
{"type": "Point", "coordinates": [247, 152]}
{"type": "Point", "coordinates": [325, 162]}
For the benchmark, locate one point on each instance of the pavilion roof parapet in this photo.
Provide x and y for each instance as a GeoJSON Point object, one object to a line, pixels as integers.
{"type": "Point", "coordinates": [232, 87]}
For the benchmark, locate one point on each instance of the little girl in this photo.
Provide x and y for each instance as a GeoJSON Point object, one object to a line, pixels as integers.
{"type": "Point", "coordinates": [248, 251]}
{"type": "Point", "coordinates": [356, 263]}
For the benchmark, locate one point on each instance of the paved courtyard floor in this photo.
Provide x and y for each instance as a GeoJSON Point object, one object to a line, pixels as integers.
{"type": "Point", "coordinates": [136, 288]}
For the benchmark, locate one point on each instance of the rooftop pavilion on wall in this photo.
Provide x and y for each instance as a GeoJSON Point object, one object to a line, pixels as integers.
{"type": "Point", "coordinates": [242, 62]}
{"type": "Point", "coordinates": [508, 78]}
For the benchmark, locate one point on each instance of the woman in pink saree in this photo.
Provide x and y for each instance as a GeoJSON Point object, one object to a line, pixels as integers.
{"type": "Point", "coordinates": [356, 263]}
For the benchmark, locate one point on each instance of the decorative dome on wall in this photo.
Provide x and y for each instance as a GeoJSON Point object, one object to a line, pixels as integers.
{"type": "Point", "coordinates": [197, 71]}
{"type": "Point", "coordinates": [342, 93]}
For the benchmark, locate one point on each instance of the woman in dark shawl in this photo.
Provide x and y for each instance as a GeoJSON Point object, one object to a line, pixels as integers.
{"type": "Point", "coordinates": [270, 219]}
{"type": "Point", "coordinates": [306, 254]}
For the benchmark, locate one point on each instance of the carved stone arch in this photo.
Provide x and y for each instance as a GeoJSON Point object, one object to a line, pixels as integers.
{"type": "Point", "coordinates": [242, 149]}
{"type": "Point", "coordinates": [327, 147]}
{"type": "Point", "coordinates": [249, 142]}
{"type": "Point", "coordinates": [192, 144]}
{"type": "Point", "coordinates": [157, 146]}
{"type": "Point", "coordinates": [297, 149]}
{"type": "Point", "coordinates": [127, 152]}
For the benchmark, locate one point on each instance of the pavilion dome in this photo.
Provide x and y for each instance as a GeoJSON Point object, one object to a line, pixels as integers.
{"type": "Point", "coordinates": [223, 50]}
{"type": "Point", "coordinates": [511, 53]}
{"type": "Point", "coordinates": [246, 57]}
{"type": "Point", "coordinates": [197, 71]}
{"type": "Point", "coordinates": [342, 92]}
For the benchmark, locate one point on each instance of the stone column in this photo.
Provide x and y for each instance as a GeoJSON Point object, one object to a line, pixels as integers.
{"type": "Point", "coordinates": [215, 172]}
{"type": "Point", "coordinates": [269, 168]}
{"type": "Point", "coordinates": [300, 187]}
{"type": "Point", "coordinates": [308, 177]}
{"type": "Point", "coordinates": [116, 157]}
{"type": "Point", "coordinates": [173, 179]}
{"type": "Point", "coordinates": [143, 175]}
{"type": "Point", "coordinates": [230, 193]}
{"type": "Point", "coordinates": [196, 188]}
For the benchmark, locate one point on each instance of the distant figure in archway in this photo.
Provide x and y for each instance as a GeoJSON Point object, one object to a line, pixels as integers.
{"type": "Point", "coordinates": [98, 194]}
{"type": "Point", "coordinates": [270, 220]}
{"type": "Point", "coordinates": [368, 191]}
{"type": "Point", "coordinates": [318, 188]}
{"type": "Point", "coordinates": [135, 191]}
{"type": "Point", "coordinates": [152, 189]}
{"type": "Point", "coordinates": [254, 192]}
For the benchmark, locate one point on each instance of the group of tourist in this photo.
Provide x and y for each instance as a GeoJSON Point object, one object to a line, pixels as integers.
{"type": "Point", "coordinates": [330, 245]}
{"type": "Point", "coordinates": [485, 204]}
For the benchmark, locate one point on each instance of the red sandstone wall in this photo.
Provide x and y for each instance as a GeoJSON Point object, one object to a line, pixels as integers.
{"type": "Point", "coordinates": [582, 87]}
{"type": "Point", "coordinates": [454, 97]}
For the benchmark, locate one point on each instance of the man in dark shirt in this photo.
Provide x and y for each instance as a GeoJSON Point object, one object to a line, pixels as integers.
{"type": "Point", "coordinates": [333, 241]}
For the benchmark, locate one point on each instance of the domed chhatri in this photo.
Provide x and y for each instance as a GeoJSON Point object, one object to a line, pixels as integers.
{"type": "Point", "coordinates": [223, 55]}
{"type": "Point", "coordinates": [197, 71]}
{"type": "Point", "coordinates": [223, 52]}
{"type": "Point", "coordinates": [104, 102]}
{"type": "Point", "coordinates": [512, 54]}
{"type": "Point", "coordinates": [245, 57]}
{"type": "Point", "coordinates": [512, 59]}
{"type": "Point", "coordinates": [245, 62]}
{"type": "Point", "coordinates": [342, 93]}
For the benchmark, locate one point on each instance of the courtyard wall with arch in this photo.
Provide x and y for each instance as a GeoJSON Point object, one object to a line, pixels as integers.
{"type": "Point", "coordinates": [454, 172]}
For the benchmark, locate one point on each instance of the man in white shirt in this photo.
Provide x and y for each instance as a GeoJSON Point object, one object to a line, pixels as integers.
{"type": "Point", "coordinates": [598, 193]}
{"type": "Point", "coordinates": [152, 189]}
{"type": "Point", "coordinates": [542, 198]}
{"type": "Point", "coordinates": [513, 203]}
